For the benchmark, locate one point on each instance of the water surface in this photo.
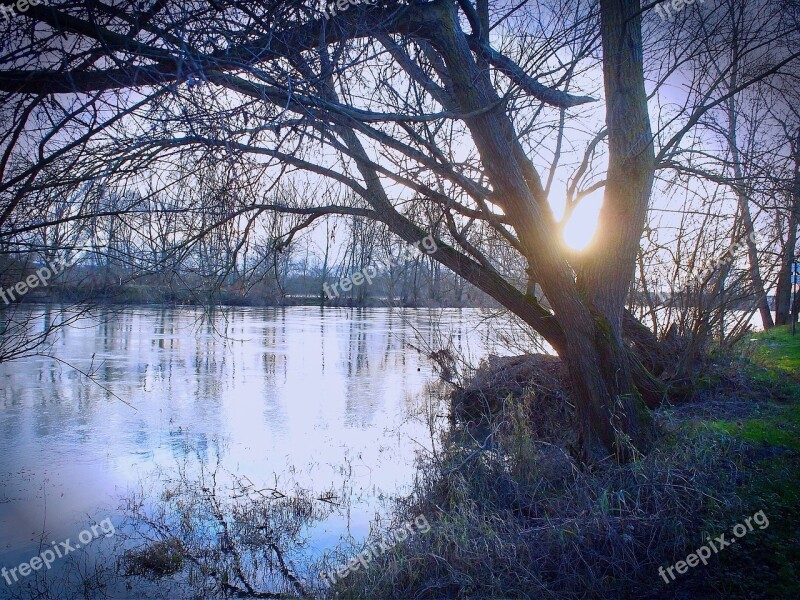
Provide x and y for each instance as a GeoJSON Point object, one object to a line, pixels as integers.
{"type": "Point", "coordinates": [324, 399]}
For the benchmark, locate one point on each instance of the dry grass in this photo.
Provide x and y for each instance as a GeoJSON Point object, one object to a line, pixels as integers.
{"type": "Point", "coordinates": [159, 559]}
{"type": "Point", "coordinates": [514, 517]}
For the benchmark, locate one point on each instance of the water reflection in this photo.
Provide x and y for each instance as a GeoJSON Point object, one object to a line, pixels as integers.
{"type": "Point", "coordinates": [315, 392]}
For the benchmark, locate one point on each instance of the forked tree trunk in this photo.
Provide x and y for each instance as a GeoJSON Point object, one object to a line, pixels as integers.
{"type": "Point", "coordinates": [612, 417]}
{"type": "Point", "coordinates": [616, 413]}
{"type": "Point", "coordinates": [586, 325]}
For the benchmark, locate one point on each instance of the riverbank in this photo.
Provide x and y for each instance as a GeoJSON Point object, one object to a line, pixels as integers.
{"type": "Point", "coordinates": [513, 516]}
{"type": "Point", "coordinates": [158, 296]}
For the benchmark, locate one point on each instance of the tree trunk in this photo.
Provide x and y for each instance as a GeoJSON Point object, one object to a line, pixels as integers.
{"type": "Point", "coordinates": [743, 200]}
{"type": "Point", "coordinates": [606, 274]}
{"type": "Point", "coordinates": [783, 293]}
{"type": "Point", "coordinates": [611, 414]}
{"type": "Point", "coordinates": [755, 270]}
{"type": "Point", "coordinates": [586, 325]}
{"type": "Point", "coordinates": [322, 296]}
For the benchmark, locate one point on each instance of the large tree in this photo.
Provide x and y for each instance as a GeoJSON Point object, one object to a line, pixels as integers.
{"type": "Point", "coordinates": [426, 112]}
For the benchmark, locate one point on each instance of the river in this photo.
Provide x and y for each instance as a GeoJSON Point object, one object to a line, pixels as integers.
{"type": "Point", "coordinates": [323, 399]}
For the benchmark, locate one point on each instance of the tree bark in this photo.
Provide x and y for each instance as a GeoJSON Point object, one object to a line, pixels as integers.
{"type": "Point", "coordinates": [783, 293]}
{"type": "Point", "coordinates": [605, 276]}
{"type": "Point", "coordinates": [742, 198]}
{"type": "Point", "coordinates": [612, 417]}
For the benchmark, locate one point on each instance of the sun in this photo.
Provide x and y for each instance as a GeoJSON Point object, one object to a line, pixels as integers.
{"type": "Point", "coordinates": [582, 224]}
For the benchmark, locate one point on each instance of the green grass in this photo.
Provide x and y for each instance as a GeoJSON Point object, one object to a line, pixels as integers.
{"type": "Point", "coordinates": [777, 350]}
{"type": "Point", "coordinates": [775, 360]}
{"type": "Point", "coordinates": [780, 427]}
{"type": "Point", "coordinates": [768, 564]}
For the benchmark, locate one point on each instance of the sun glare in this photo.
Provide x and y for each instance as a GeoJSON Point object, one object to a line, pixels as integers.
{"type": "Point", "coordinates": [581, 227]}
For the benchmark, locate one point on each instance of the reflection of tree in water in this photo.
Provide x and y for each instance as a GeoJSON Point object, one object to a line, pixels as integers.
{"type": "Point", "coordinates": [213, 534]}
{"type": "Point", "coordinates": [357, 350]}
{"type": "Point", "coordinates": [376, 352]}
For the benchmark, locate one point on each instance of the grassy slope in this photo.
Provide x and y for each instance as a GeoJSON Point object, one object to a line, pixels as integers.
{"type": "Point", "coordinates": [524, 526]}
{"type": "Point", "coordinates": [767, 563]}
